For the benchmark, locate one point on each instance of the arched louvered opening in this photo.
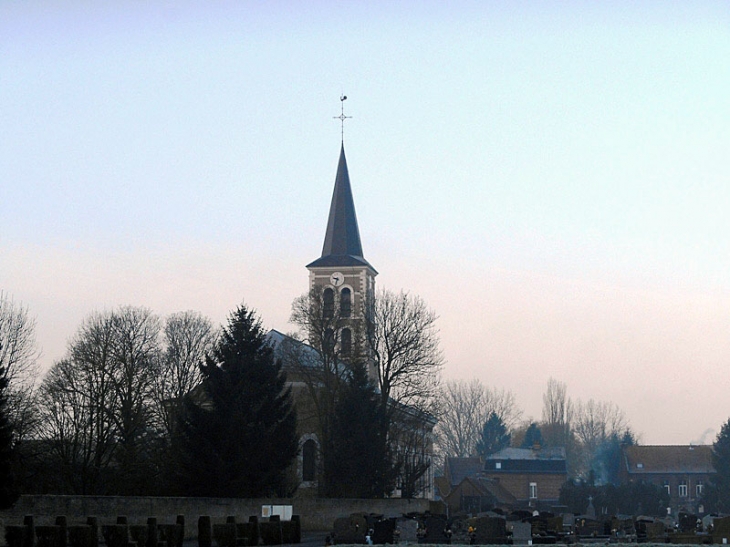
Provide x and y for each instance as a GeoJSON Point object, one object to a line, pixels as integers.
{"type": "Point", "coordinates": [345, 302]}
{"type": "Point", "coordinates": [328, 303]}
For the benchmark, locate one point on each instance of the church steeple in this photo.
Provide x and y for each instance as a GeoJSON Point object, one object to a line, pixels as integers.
{"type": "Point", "coordinates": [341, 279]}
{"type": "Point", "coordinates": [342, 246]}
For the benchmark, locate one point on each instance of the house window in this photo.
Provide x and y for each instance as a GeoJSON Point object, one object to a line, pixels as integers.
{"type": "Point", "coordinates": [328, 303]}
{"type": "Point", "coordinates": [682, 490]}
{"type": "Point", "coordinates": [498, 465]}
{"type": "Point", "coordinates": [667, 488]}
{"type": "Point", "coordinates": [699, 488]}
{"type": "Point", "coordinates": [346, 342]}
{"type": "Point", "coordinates": [345, 302]}
{"type": "Point", "coordinates": [533, 490]}
{"type": "Point", "coordinates": [309, 460]}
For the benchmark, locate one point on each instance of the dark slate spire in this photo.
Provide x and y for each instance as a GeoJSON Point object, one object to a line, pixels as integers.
{"type": "Point", "coordinates": [342, 245]}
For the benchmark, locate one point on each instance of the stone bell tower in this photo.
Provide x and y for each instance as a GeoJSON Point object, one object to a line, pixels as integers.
{"type": "Point", "coordinates": [343, 278]}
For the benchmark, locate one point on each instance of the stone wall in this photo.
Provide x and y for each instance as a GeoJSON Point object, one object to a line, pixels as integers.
{"type": "Point", "coordinates": [315, 513]}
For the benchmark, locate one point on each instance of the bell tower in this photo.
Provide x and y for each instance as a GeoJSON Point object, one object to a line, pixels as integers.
{"type": "Point", "coordinates": [341, 277]}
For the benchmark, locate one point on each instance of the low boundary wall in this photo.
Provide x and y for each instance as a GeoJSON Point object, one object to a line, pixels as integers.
{"type": "Point", "coordinates": [315, 513]}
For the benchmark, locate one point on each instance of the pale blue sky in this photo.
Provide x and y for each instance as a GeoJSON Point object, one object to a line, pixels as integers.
{"type": "Point", "coordinates": [552, 177]}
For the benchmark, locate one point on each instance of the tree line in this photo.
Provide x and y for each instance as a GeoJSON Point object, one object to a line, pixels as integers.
{"type": "Point", "coordinates": [146, 405]}
{"type": "Point", "coordinates": [476, 420]}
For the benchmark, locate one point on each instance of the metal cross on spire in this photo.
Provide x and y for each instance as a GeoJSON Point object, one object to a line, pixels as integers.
{"type": "Point", "coordinates": [342, 116]}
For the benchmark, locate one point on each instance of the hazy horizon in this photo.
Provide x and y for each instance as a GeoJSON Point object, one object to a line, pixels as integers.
{"type": "Point", "coordinates": [552, 179]}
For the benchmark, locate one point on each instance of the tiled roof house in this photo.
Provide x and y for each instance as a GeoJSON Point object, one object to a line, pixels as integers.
{"type": "Point", "coordinates": [683, 471]}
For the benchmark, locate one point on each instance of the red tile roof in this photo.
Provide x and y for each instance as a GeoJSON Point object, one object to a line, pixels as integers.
{"type": "Point", "coordinates": [668, 459]}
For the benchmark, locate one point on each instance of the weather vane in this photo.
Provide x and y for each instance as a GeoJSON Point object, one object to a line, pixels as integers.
{"type": "Point", "coordinates": [342, 116]}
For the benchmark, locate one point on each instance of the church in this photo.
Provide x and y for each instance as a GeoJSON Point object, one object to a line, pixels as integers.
{"type": "Point", "coordinates": [342, 283]}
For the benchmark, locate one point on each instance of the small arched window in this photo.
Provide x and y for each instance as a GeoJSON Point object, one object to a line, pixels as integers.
{"type": "Point", "coordinates": [346, 342]}
{"type": "Point", "coordinates": [345, 302]}
{"type": "Point", "coordinates": [328, 303]}
{"type": "Point", "coordinates": [309, 460]}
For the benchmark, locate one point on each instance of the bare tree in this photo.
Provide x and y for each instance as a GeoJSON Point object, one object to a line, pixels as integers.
{"type": "Point", "coordinates": [557, 415]}
{"type": "Point", "coordinates": [557, 407]}
{"type": "Point", "coordinates": [464, 408]}
{"type": "Point", "coordinates": [102, 396]}
{"type": "Point", "coordinates": [398, 341]}
{"type": "Point", "coordinates": [187, 338]}
{"type": "Point", "coordinates": [597, 424]}
{"type": "Point", "coordinates": [77, 424]}
{"type": "Point", "coordinates": [18, 351]}
{"type": "Point", "coordinates": [316, 359]}
{"type": "Point", "coordinates": [403, 341]}
{"type": "Point", "coordinates": [19, 357]}
{"type": "Point", "coordinates": [136, 355]}
{"type": "Point", "coordinates": [79, 420]}
{"type": "Point", "coordinates": [596, 421]}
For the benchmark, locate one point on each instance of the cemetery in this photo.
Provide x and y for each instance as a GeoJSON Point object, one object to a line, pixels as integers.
{"type": "Point", "coordinates": [527, 528]}
{"type": "Point", "coordinates": [281, 527]}
{"type": "Point", "coordinates": [125, 533]}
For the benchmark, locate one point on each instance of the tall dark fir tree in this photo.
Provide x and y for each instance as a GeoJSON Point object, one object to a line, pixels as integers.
{"type": "Point", "coordinates": [717, 493]}
{"type": "Point", "coordinates": [494, 436]}
{"type": "Point", "coordinates": [359, 463]}
{"type": "Point", "coordinates": [8, 490]}
{"type": "Point", "coordinates": [237, 434]}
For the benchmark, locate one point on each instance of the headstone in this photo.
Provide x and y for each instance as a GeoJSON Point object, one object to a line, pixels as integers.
{"type": "Point", "coordinates": [435, 530]}
{"type": "Point", "coordinates": [151, 532]}
{"type": "Point", "coordinates": [489, 530]}
{"type": "Point", "coordinates": [205, 532]}
{"type": "Point", "coordinates": [521, 533]}
{"type": "Point", "coordinates": [407, 531]}
{"type": "Point", "coordinates": [16, 536]}
{"type": "Point", "coordinates": [139, 534]}
{"type": "Point", "coordinates": [30, 536]}
{"type": "Point", "coordinates": [48, 536]}
{"type": "Point", "coordinates": [81, 536]}
{"type": "Point", "coordinates": [93, 522]}
{"type": "Point", "coordinates": [62, 523]}
{"type": "Point", "coordinates": [115, 535]}
{"type": "Point", "coordinates": [225, 534]}
{"type": "Point", "coordinates": [384, 531]}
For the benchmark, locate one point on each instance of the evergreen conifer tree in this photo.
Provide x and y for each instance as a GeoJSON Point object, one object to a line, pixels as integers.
{"type": "Point", "coordinates": [533, 437]}
{"type": "Point", "coordinates": [361, 466]}
{"type": "Point", "coordinates": [237, 435]}
{"type": "Point", "coordinates": [494, 436]}
{"type": "Point", "coordinates": [8, 491]}
{"type": "Point", "coordinates": [717, 494]}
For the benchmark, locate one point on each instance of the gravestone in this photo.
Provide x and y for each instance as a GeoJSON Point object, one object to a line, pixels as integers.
{"type": "Point", "coordinates": [435, 530]}
{"type": "Point", "coordinates": [383, 531]}
{"type": "Point", "coordinates": [521, 533]}
{"type": "Point", "coordinates": [407, 531]}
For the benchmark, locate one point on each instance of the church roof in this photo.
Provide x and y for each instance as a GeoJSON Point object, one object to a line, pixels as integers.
{"type": "Point", "coordinates": [342, 245]}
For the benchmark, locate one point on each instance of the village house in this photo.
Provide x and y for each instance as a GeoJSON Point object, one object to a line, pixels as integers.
{"type": "Point", "coordinates": [684, 471]}
{"type": "Point", "coordinates": [513, 478]}
{"type": "Point", "coordinates": [533, 476]}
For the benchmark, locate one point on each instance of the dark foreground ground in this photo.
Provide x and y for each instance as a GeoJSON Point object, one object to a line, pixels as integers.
{"type": "Point", "coordinates": [309, 539]}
